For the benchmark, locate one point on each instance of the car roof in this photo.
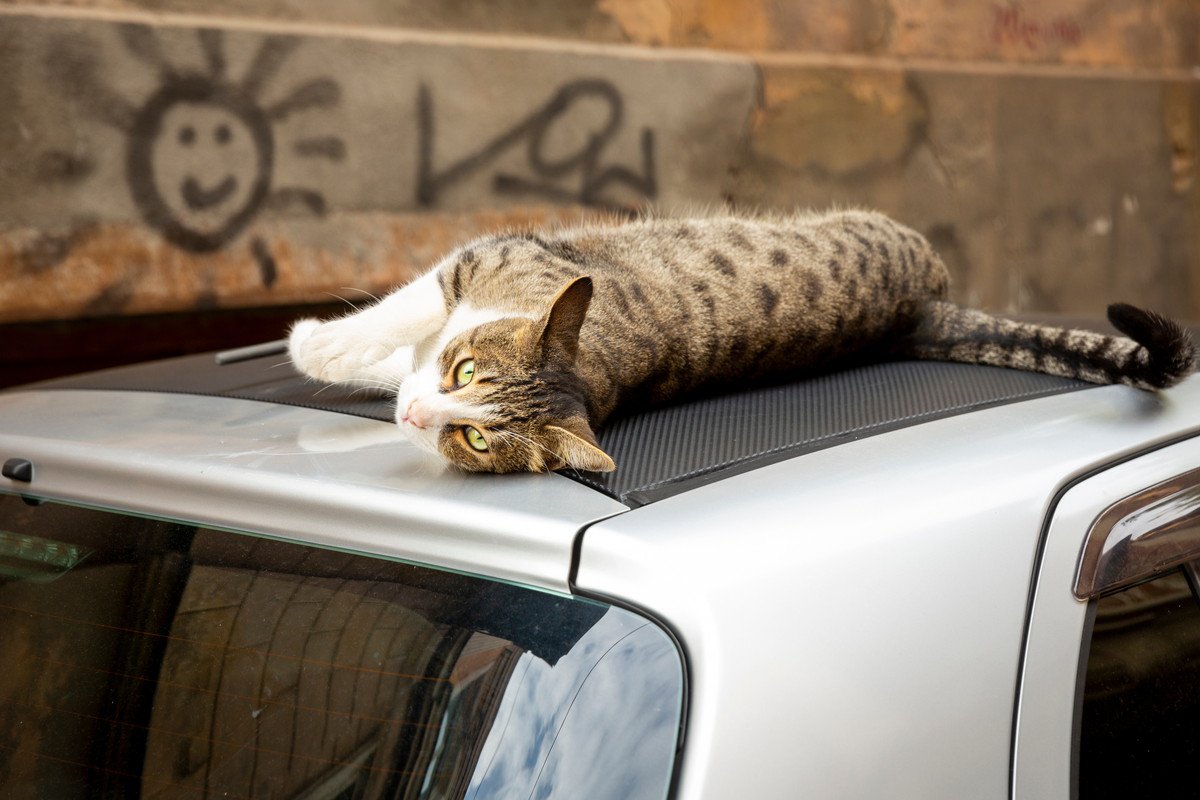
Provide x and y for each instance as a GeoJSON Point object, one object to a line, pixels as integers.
{"type": "Point", "coordinates": [297, 474]}
{"type": "Point", "coordinates": [659, 452]}
{"type": "Point", "coordinates": [245, 443]}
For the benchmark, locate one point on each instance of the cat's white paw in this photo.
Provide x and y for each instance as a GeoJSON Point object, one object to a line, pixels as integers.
{"type": "Point", "coordinates": [334, 351]}
{"type": "Point", "coordinates": [301, 330]}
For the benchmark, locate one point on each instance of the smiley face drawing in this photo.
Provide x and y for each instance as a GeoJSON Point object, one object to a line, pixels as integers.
{"type": "Point", "coordinates": [199, 162]}
{"type": "Point", "coordinates": [201, 149]}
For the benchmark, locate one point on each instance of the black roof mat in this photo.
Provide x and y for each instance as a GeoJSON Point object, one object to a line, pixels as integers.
{"type": "Point", "coordinates": [664, 451]}
{"type": "Point", "coordinates": [670, 450]}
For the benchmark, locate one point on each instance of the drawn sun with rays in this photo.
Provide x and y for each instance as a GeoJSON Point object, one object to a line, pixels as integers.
{"type": "Point", "coordinates": [201, 149]}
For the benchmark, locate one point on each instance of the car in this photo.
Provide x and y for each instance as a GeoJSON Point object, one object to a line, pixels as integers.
{"type": "Point", "coordinates": [898, 579]}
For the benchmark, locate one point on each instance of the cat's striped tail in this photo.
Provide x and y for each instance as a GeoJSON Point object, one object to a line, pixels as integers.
{"type": "Point", "coordinates": [1158, 353]}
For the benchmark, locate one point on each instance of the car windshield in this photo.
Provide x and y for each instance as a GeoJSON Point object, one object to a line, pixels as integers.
{"type": "Point", "coordinates": [143, 657]}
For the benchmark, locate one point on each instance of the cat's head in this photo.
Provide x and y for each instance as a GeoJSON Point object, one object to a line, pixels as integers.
{"type": "Point", "coordinates": [505, 396]}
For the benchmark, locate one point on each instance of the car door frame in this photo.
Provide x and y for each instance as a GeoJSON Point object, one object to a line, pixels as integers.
{"type": "Point", "coordinates": [1050, 682]}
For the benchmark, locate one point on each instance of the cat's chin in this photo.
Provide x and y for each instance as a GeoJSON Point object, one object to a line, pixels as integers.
{"type": "Point", "coordinates": [425, 440]}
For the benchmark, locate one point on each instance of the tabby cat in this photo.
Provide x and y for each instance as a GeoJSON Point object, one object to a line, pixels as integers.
{"type": "Point", "coordinates": [508, 353]}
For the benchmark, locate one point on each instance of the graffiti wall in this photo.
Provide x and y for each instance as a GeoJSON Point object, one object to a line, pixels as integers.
{"type": "Point", "coordinates": [184, 157]}
{"type": "Point", "coordinates": [164, 167]}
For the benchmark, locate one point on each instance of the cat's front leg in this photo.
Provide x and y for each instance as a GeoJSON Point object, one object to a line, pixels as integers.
{"type": "Point", "coordinates": [345, 349]}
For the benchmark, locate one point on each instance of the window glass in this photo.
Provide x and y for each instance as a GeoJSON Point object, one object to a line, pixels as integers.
{"type": "Point", "coordinates": [146, 658]}
{"type": "Point", "coordinates": [1140, 720]}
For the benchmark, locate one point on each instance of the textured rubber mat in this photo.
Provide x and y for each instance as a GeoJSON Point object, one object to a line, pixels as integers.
{"type": "Point", "coordinates": [668, 450]}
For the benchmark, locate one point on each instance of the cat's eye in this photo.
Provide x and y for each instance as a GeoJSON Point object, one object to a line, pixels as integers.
{"type": "Point", "coordinates": [464, 373]}
{"type": "Point", "coordinates": [475, 439]}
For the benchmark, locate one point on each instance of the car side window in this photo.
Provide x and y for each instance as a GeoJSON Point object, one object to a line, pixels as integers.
{"type": "Point", "coordinates": [1139, 718]}
{"type": "Point", "coordinates": [155, 658]}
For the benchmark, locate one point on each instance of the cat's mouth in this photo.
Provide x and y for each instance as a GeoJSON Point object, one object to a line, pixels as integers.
{"type": "Point", "coordinates": [424, 438]}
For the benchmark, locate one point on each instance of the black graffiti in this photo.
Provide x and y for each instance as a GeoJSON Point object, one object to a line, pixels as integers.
{"type": "Point", "coordinates": [268, 271]}
{"type": "Point", "coordinates": [201, 149]}
{"type": "Point", "coordinates": [145, 186]}
{"type": "Point", "coordinates": [595, 179]}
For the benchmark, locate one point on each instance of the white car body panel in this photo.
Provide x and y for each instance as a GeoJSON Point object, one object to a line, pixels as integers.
{"type": "Point", "coordinates": [881, 587]}
{"type": "Point", "coordinates": [1044, 723]}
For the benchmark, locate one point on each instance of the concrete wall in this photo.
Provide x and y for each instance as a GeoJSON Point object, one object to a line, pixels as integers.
{"type": "Point", "coordinates": [175, 155]}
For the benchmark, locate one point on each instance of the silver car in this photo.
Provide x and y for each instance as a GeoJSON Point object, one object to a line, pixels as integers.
{"type": "Point", "coordinates": [903, 580]}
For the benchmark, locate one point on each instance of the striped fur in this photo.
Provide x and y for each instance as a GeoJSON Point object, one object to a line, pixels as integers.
{"type": "Point", "coordinates": [1158, 354]}
{"type": "Point", "coordinates": [581, 323]}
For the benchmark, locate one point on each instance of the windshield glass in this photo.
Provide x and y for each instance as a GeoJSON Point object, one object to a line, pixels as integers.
{"type": "Point", "coordinates": [142, 657]}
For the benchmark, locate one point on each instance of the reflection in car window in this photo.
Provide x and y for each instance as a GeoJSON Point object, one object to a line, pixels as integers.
{"type": "Point", "coordinates": [144, 657]}
{"type": "Point", "coordinates": [570, 715]}
{"type": "Point", "coordinates": [1140, 721]}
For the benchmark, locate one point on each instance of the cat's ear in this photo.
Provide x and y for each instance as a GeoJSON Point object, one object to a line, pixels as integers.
{"type": "Point", "coordinates": [559, 339]}
{"type": "Point", "coordinates": [575, 444]}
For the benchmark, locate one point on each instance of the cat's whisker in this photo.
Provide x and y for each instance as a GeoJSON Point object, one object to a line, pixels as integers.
{"type": "Point", "coordinates": [363, 385]}
{"type": "Point", "coordinates": [390, 388]}
{"type": "Point", "coordinates": [536, 445]}
{"type": "Point", "coordinates": [364, 291]}
{"type": "Point", "coordinates": [381, 381]}
{"type": "Point", "coordinates": [344, 300]}
{"type": "Point", "coordinates": [324, 388]}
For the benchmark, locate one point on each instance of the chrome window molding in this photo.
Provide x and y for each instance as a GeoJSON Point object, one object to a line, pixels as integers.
{"type": "Point", "coordinates": [1140, 536]}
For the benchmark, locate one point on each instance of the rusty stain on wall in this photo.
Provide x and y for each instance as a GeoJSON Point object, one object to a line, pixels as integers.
{"type": "Point", "coordinates": [839, 122]}
{"type": "Point", "coordinates": [124, 268]}
{"type": "Point", "coordinates": [642, 21]}
{"type": "Point", "coordinates": [1180, 114]}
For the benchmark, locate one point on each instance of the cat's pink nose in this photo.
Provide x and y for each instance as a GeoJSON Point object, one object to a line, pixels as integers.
{"type": "Point", "coordinates": [417, 415]}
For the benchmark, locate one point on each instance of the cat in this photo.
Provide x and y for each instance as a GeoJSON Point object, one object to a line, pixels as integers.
{"type": "Point", "coordinates": [512, 350]}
